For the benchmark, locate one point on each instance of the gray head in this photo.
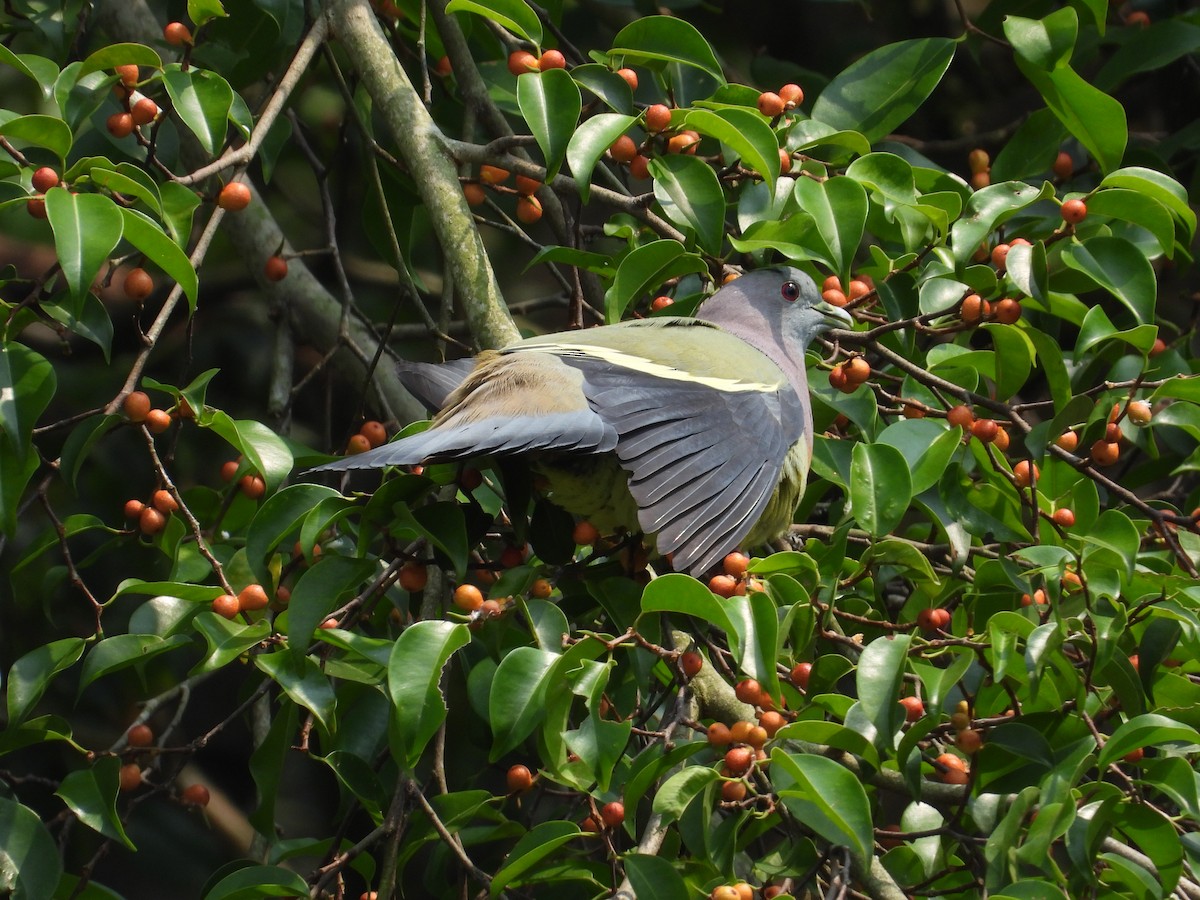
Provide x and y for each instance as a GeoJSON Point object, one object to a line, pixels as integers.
{"type": "Point", "coordinates": [778, 310]}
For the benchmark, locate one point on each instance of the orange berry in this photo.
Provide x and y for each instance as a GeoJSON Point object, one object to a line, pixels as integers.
{"type": "Point", "coordinates": [953, 769]}
{"type": "Point", "coordinates": [1139, 412]}
{"type": "Point", "coordinates": [960, 416]}
{"type": "Point", "coordinates": [639, 167]}
{"type": "Point", "coordinates": [358, 443]}
{"type": "Point", "coordinates": [980, 180]}
{"type": "Point", "coordinates": [914, 708]}
{"type": "Point", "coordinates": [1134, 756]}
{"type": "Point", "coordinates": [785, 161]}
{"type": "Point", "coordinates": [529, 209]}
{"type": "Point", "coordinates": [164, 502]}
{"type": "Point", "coordinates": [329, 624]}
{"type": "Point", "coordinates": [1038, 598]}
{"type": "Point", "coordinates": [226, 606]}
{"type": "Point", "coordinates": [771, 721]}
{"type": "Point", "coordinates": [140, 736]}
{"type": "Point", "coordinates": [468, 597]}
{"type": "Point", "coordinates": [1063, 166]}
{"type": "Point", "coordinates": [858, 370]}
{"type": "Point", "coordinates": [978, 160]}
{"type": "Point", "coordinates": [158, 421]}
{"type": "Point", "coordinates": [738, 760]}
{"type": "Point", "coordinates": [275, 268]}
{"type": "Point", "coordinates": [443, 66]}
{"type": "Point", "coordinates": [723, 585]}
{"type": "Point", "coordinates": [1160, 346]}
{"type": "Point", "coordinates": [968, 741]}
{"type": "Point", "coordinates": [151, 521]}
{"type": "Point", "coordinates": [36, 207]}
{"type": "Point", "coordinates": [138, 285]}
{"type": "Point", "coordinates": [413, 577]}
{"type": "Point", "coordinates": [128, 74]}
{"type": "Point", "coordinates": [771, 104]}
{"type": "Point", "coordinates": [1063, 517]}
{"type": "Point", "coordinates": [541, 589]}
{"type": "Point", "coordinates": [757, 737]}
{"type": "Point", "coordinates": [136, 406]}
{"type": "Point", "coordinates": [1025, 473]}
{"type": "Point", "coordinates": [144, 111]}
{"type": "Point", "coordinates": [253, 597]}
{"type": "Point", "coordinates": [522, 61]}
{"type": "Point", "coordinates": [1008, 311]}
{"type": "Point", "coordinates": [1074, 211]}
{"type": "Point", "coordinates": [177, 34]}
{"type": "Point", "coordinates": [791, 95]}
{"type": "Point", "coordinates": [229, 469]}
{"type": "Point", "coordinates": [195, 795]}
{"type": "Point", "coordinates": [972, 309]}
{"type": "Point", "coordinates": [552, 59]}
{"type": "Point", "coordinates": [254, 487]}
{"type": "Point", "coordinates": [44, 179]}
{"type": "Point", "coordinates": [1071, 581]}
{"type": "Point", "coordinates": [1105, 453]}
{"type": "Point", "coordinates": [1068, 441]}
{"type": "Point", "coordinates": [748, 691]}
{"type": "Point", "coordinates": [585, 534]}
{"type": "Point", "coordinates": [474, 193]}
{"type": "Point", "coordinates": [719, 734]}
{"type": "Point", "coordinates": [623, 149]}
{"type": "Point", "coordinates": [493, 174]}
{"type": "Point", "coordinates": [1001, 440]}
{"type": "Point", "coordinates": [800, 674]}
{"type": "Point", "coordinates": [527, 186]}
{"type": "Point", "coordinates": [985, 430]}
{"type": "Point", "coordinates": [613, 814]}
{"type": "Point", "coordinates": [999, 255]}
{"type": "Point", "coordinates": [691, 663]}
{"type": "Point", "coordinates": [133, 509]}
{"type": "Point", "coordinates": [834, 297]}
{"type": "Point", "coordinates": [374, 432]}
{"type": "Point", "coordinates": [630, 77]}
{"type": "Point", "coordinates": [1138, 19]}
{"type": "Point", "coordinates": [658, 118]}
{"type": "Point", "coordinates": [661, 303]}
{"type": "Point", "coordinates": [120, 125]}
{"type": "Point", "coordinates": [684, 142]}
{"type": "Point", "coordinates": [733, 792]}
{"type": "Point", "coordinates": [519, 779]}
{"type": "Point", "coordinates": [234, 197]}
{"type": "Point", "coordinates": [858, 288]}
{"type": "Point", "coordinates": [933, 619]}
{"type": "Point", "coordinates": [735, 564]}
{"type": "Point", "coordinates": [130, 777]}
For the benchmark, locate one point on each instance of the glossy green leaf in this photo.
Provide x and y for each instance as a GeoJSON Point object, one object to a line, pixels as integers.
{"type": "Point", "coordinates": [414, 676]}
{"type": "Point", "coordinates": [304, 682]}
{"type": "Point", "coordinates": [536, 845]}
{"type": "Point", "coordinates": [27, 385]}
{"type": "Point", "coordinates": [42, 131]}
{"type": "Point", "coordinates": [264, 450]}
{"type": "Point", "coordinates": [1046, 43]}
{"type": "Point", "coordinates": [320, 590]}
{"type": "Point", "coordinates": [658, 39]}
{"type": "Point", "coordinates": [30, 675]}
{"type": "Point", "coordinates": [1148, 49]}
{"type": "Point", "coordinates": [827, 798]}
{"type": "Point", "coordinates": [879, 678]}
{"type": "Point", "coordinates": [838, 206]}
{"type": "Point", "coordinates": [678, 791]}
{"type": "Point", "coordinates": [257, 881]}
{"type": "Point", "coordinates": [124, 650]}
{"type": "Point", "coordinates": [516, 704]}
{"type": "Point", "coordinates": [880, 487]}
{"type": "Point", "coordinates": [8, 58]}
{"type": "Point", "coordinates": [607, 85]}
{"type": "Point", "coordinates": [87, 227]}
{"type": "Point", "coordinates": [226, 640]}
{"type": "Point", "coordinates": [1121, 269]}
{"type": "Point", "coordinates": [926, 446]}
{"type": "Point", "coordinates": [1141, 210]}
{"type": "Point", "coordinates": [1149, 730]}
{"type": "Point", "coordinates": [278, 517]}
{"type": "Point", "coordinates": [644, 271]}
{"type": "Point", "coordinates": [515, 15]}
{"type": "Point", "coordinates": [882, 90]}
{"type": "Point", "coordinates": [32, 866]}
{"type": "Point", "coordinates": [145, 234]}
{"type": "Point", "coordinates": [654, 878]}
{"type": "Point", "coordinates": [91, 794]}
{"type": "Point", "coordinates": [550, 103]}
{"type": "Point", "coordinates": [179, 203]}
{"type": "Point", "coordinates": [108, 58]}
{"type": "Point", "coordinates": [1158, 186]}
{"type": "Point", "coordinates": [691, 196]}
{"type": "Point", "coordinates": [588, 143]}
{"type": "Point", "coordinates": [745, 133]}
{"type": "Point", "coordinates": [989, 208]}
{"type": "Point", "coordinates": [680, 593]}
{"type": "Point", "coordinates": [202, 11]}
{"type": "Point", "coordinates": [202, 100]}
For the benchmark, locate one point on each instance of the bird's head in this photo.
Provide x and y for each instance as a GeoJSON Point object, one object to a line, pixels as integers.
{"type": "Point", "coordinates": [777, 309]}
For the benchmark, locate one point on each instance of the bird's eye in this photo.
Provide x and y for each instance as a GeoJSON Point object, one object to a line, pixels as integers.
{"type": "Point", "coordinates": [790, 291]}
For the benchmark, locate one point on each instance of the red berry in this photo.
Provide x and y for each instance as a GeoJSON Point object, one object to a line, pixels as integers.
{"type": "Point", "coordinates": [691, 662]}
{"type": "Point", "coordinates": [585, 534]}
{"type": "Point", "coordinates": [140, 736]}
{"type": "Point", "coordinates": [552, 59]}
{"type": "Point", "coordinates": [1074, 211]}
{"type": "Point", "coordinates": [613, 814]}
{"type": "Point", "coordinates": [226, 606]}
{"type": "Point", "coordinates": [275, 269]}
{"type": "Point", "coordinates": [661, 303]}
{"type": "Point", "coordinates": [639, 167]}
{"type": "Point", "coordinates": [1064, 166]}
{"type": "Point", "coordinates": [234, 197]}
{"type": "Point", "coordinates": [44, 179]}
{"type": "Point", "coordinates": [914, 708]}
{"type": "Point", "coordinates": [748, 691]}
{"type": "Point", "coordinates": [960, 416]}
{"type": "Point", "coordinates": [138, 285]}
{"type": "Point", "coordinates": [985, 430]}
{"type": "Point", "coordinates": [529, 209]}
{"type": "Point", "coordinates": [658, 118]}
{"type": "Point", "coordinates": [195, 795]}
{"type": "Point", "coordinates": [799, 675]}
{"type": "Point", "coordinates": [144, 111]}
{"type": "Point", "coordinates": [120, 125]}
{"type": "Point", "coordinates": [623, 149]}
{"type": "Point", "coordinates": [443, 67]}
{"type": "Point", "coordinates": [136, 406]}
{"type": "Point", "coordinates": [519, 779]}
{"type": "Point", "coordinates": [36, 207]}
{"type": "Point", "coordinates": [630, 77]}
{"type": "Point", "coordinates": [177, 34]}
{"type": "Point", "coordinates": [521, 62]}
{"type": "Point", "coordinates": [151, 521]}
{"type": "Point", "coordinates": [738, 760]}
{"type": "Point", "coordinates": [791, 95]}
{"type": "Point", "coordinates": [164, 502]}
{"type": "Point", "coordinates": [130, 777]}
{"type": "Point", "coordinates": [253, 597]}
{"type": "Point", "coordinates": [771, 104]}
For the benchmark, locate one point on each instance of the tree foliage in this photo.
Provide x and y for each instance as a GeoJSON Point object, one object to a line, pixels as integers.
{"type": "Point", "coordinates": [975, 670]}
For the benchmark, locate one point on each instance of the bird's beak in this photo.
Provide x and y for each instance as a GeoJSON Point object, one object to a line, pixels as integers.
{"type": "Point", "coordinates": [835, 316]}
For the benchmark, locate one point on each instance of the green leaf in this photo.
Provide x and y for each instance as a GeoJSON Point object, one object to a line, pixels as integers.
{"type": "Point", "coordinates": [536, 845]}
{"type": "Point", "coordinates": [42, 131]}
{"type": "Point", "coordinates": [27, 385]}
{"type": "Point", "coordinates": [279, 516]}
{"type": "Point", "coordinates": [880, 487]}
{"type": "Point", "coordinates": [202, 100]}
{"type": "Point", "coordinates": [515, 15]}
{"type": "Point", "coordinates": [202, 11]}
{"type": "Point", "coordinates": [744, 132]}
{"type": "Point", "coordinates": [31, 674]}
{"type": "Point", "coordinates": [654, 878]}
{"type": "Point", "coordinates": [303, 681]}
{"type": "Point", "coordinates": [108, 58]}
{"type": "Point", "coordinates": [32, 867]}
{"type": "Point", "coordinates": [691, 196]}
{"type": "Point", "coordinates": [517, 700]}
{"type": "Point", "coordinates": [266, 451]}
{"type": "Point", "coordinates": [988, 209]}
{"type": "Point", "coordinates": [607, 85]}
{"type": "Point", "coordinates": [654, 39]}
{"type": "Point", "coordinates": [678, 791]}
{"type": "Point", "coordinates": [680, 593]}
{"type": "Point", "coordinates": [179, 203]}
{"type": "Point", "coordinates": [1046, 43]}
{"type": "Point", "coordinates": [1147, 49]}
{"type": "Point", "coordinates": [827, 798]}
{"type": "Point", "coordinates": [86, 229]}
{"type": "Point", "coordinates": [1135, 207]}
{"type": "Point", "coordinates": [645, 270]}
{"type": "Point", "coordinates": [588, 144]}
{"type": "Point", "coordinates": [883, 89]}
{"type": "Point", "coordinates": [226, 640]}
{"type": "Point", "coordinates": [91, 794]}
{"type": "Point", "coordinates": [1121, 269]}
{"type": "Point", "coordinates": [838, 206]}
{"type": "Point", "coordinates": [8, 58]}
{"type": "Point", "coordinates": [414, 673]}
{"type": "Point", "coordinates": [123, 650]}
{"type": "Point", "coordinates": [879, 678]}
{"type": "Point", "coordinates": [258, 881]}
{"type": "Point", "coordinates": [926, 446]}
{"type": "Point", "coordinates": [550, 103]}
{"type": "Point", "coordinates": [145, 234]}
{"type": "Point", "coordinates": [1160, 187]}
{"type": "Point", "coordinates": [320, 590]}
{"type": "Point", "coordinates": [1149, 730]}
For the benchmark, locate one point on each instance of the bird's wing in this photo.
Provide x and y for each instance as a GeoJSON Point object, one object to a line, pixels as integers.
{"type": "Point", "coordinates": [704, 449]}
{"type": "Point", "coordinates": [433, 383]}
{"type": "Point", "coordinates": [507, 404]}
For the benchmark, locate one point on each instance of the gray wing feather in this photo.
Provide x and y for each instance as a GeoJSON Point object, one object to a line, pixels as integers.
{"type": "Point", "coordinates": [432, 383]}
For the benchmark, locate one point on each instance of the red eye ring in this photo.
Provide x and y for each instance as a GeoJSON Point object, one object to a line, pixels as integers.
{"type": "Point", "coordinates": [790, 291]}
